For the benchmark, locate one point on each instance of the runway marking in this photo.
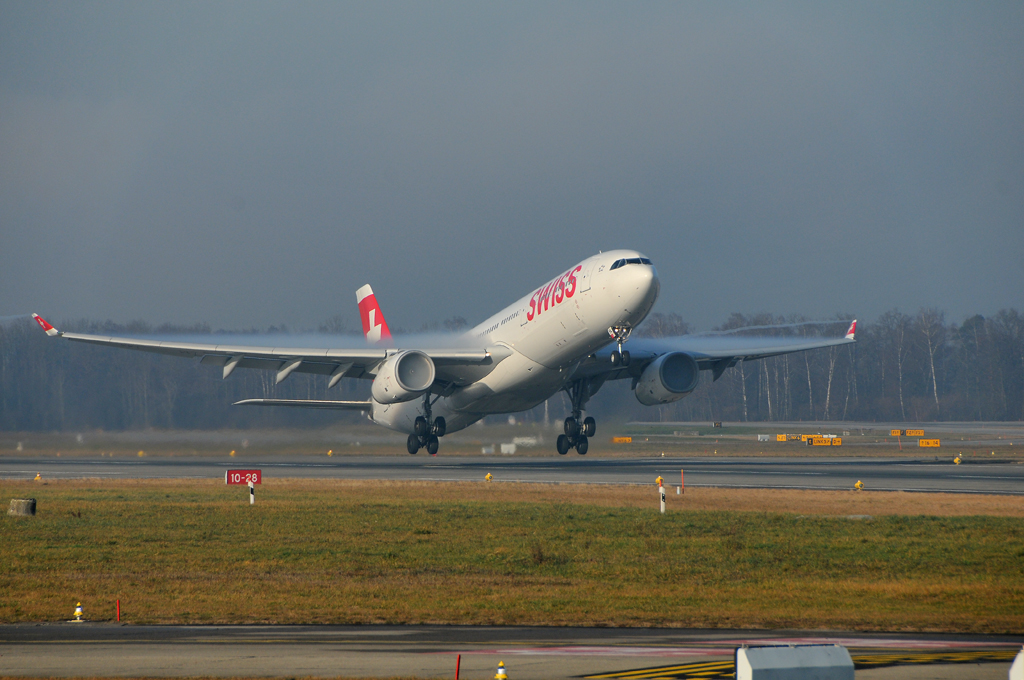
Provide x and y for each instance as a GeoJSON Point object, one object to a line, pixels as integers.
{"type": "Point", "coordinates": [726, 669]}
{"type": "Point", "coordinates": [582, 650]}
{"type": "Point", "coordinates": [707, 669]}
{"type": "Point", "coordinates": [725, 647]}
{"type": "Point", "coordinates": [896, 659]}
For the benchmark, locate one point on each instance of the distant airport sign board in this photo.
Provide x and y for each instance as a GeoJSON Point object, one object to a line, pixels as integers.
{"type": "Point", "coordinates": [243, 476]}
{"type": "Point", "coordinates": [928, 442]}
{"type": "Point", "coordinates": [824, 441]}
{"type": "Point", "coordinates": [915, 433]}
{"type": "Point", "coordinates": [895, 433]}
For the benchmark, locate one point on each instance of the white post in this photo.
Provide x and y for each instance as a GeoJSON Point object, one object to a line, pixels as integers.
{"type": "Point", "coordinates": [252, 493]}
{"type": "Point", "coordinates": [661, 490]}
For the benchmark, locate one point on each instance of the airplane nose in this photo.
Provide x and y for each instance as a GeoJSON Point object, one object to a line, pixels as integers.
{"type": "Point", "coordinates": [648, 286]}
{"type": "Point", "coordinates": [641, 290]}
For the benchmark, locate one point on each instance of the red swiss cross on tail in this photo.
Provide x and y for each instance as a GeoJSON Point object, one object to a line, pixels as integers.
{"type": "Point", "coordinates": [374, 326]}
{"type": "Point", "coordinates": [50, 330]}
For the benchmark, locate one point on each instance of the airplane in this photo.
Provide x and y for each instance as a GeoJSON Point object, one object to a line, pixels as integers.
{"type": "Point", "coordinates": [567, 335]}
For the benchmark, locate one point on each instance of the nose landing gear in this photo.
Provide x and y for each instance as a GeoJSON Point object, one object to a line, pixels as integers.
{"type": "Point", "coordinates": [620, 334]}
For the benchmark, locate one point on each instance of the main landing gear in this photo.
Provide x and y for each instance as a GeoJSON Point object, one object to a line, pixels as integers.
{"type": "Point", "coordinates": [620, 334]}
{"type": "Point", "coordinates": [427, 431]}
{"type": "Point", "coordinates": [577, 429]}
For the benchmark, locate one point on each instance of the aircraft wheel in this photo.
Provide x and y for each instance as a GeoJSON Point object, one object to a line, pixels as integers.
{"type": "Point", "coordinates": [439, 426]}
{"type": "Point", "coordinates": [563, 445]}
{"type": "Point", "coordinates": [582, 445]}
{"type": "Point", "coordinates": [412, 444]}
{"type": "Point", "coordinates": [589, 427]}
{"type": "Point", "coordinates": [625, 357]}
{"type": "Point", "coordinates": [419, 426]}
{"type": "Point", "coordinates": [432, 445]}
{"type": "Point", "coordinates": [616, 358]}
{"type": "Point", "coordinates": [572, 427]}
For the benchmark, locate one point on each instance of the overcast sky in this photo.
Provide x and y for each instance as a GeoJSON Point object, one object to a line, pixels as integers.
{"type": "Point", "coordinates": [248, 164]}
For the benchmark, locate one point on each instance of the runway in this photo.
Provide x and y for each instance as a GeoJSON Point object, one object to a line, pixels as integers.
{"type": "Point", "coordinates": [63, 650]}
{"type": "Point", "coordinates": [896, 474]}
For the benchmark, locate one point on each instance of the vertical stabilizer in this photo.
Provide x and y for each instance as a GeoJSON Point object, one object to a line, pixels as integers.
{"type": "Point", "coordinates": [374, 326]}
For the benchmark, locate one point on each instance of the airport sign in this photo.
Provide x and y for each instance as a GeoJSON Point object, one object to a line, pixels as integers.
{"type": "Point", "coordinates": [243, 476]}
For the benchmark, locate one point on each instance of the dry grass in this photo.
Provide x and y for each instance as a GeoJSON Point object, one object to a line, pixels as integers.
{"type": "Point", "coordinates": [335, 551]}
{"type": "Point", "coordinates": [829, 503]}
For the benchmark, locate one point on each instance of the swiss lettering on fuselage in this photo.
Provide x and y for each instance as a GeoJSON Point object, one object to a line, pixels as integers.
{"type": "Point", "coordinates": [554, 293]}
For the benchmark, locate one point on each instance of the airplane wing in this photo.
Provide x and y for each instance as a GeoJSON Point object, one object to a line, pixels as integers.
{"type": "Point", "coordinates": [712, 352]}
{"type": "Point", "coordinates": [337, 363]}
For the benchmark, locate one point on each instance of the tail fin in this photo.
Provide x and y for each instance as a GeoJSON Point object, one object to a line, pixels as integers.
{"type": "Point", "coordinates": [374, 326]}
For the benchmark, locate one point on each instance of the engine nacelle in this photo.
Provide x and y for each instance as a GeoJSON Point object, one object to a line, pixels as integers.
{"type": "Point", "coordinates": [403, 377]}
{"type": "Point", "coordinates": [668, 378]}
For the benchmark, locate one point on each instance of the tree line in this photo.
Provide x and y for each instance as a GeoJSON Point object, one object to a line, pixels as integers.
{"type": "Point", "coordinates": [903, 367]}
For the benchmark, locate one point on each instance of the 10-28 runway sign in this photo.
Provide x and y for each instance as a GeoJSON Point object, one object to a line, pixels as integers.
{"type": "Point", "coordinates": [243, 476]}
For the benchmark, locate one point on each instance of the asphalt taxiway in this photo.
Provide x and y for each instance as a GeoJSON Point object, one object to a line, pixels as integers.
{"type": "Point", "coordinates": [84, 649]}
{"type": "Point", "coordinates": [880, 474]}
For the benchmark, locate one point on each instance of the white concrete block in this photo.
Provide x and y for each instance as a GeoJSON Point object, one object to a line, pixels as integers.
{"type": "Point", "coordinates": [794, 662]}
{"type": "Point", "coordinates": [1017, 669]}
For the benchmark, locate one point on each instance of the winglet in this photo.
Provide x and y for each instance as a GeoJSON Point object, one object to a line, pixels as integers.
{"type": "Point", "coordinates": [50, 330]}
{"type": "Point", "coordinates": [374, 326]}
{"type": "Point", "coordinates": [853, 329]}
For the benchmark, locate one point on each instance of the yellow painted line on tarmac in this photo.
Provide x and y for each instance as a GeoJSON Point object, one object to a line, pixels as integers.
{"type": "Point", "coordinates": [894, 659]}
{"type": "Point", "coordinates": [725, 669]}
{"type": "Point", "coordinates": [703, 669]}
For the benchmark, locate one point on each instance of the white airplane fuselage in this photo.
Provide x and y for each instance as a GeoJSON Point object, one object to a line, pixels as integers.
{"type": "Point", "coordinates": [539, 340]}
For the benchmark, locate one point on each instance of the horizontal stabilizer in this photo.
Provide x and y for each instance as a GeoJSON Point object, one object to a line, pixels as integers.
{"type": "Point", "coordinates": [307, 403]}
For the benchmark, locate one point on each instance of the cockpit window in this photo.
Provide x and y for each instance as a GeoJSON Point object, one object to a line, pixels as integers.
{"type": "Point", "coordinates": [631, 260]}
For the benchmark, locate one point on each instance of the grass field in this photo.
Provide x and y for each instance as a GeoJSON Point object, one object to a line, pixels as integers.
{"type": "Point", "coordinates": [331, 551]}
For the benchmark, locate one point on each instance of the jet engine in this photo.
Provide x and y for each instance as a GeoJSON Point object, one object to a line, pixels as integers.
{"type": "Point", "coordinates": [403, 377]}
{"type": "Point", "coordinates": [668, 378]}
